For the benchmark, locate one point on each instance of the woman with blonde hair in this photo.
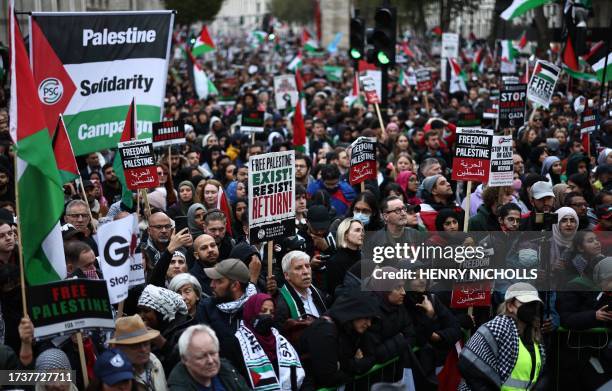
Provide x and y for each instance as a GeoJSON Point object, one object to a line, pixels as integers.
{"type": "Point", "coordinates": [506, 353]}
{"type": "Point", "coordinates": [349, 237]}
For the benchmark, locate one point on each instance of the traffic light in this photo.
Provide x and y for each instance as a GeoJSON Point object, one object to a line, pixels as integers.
{"type": "Point", "coordinates": [357, 40]}
{"type": "Point", "coordinates": [384, 36]}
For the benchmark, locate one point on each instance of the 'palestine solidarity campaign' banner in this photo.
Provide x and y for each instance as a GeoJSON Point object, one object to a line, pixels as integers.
{"type": "Point", "coordinates": [89, 66]}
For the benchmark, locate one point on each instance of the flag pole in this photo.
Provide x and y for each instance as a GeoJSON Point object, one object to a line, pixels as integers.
{"type": "Point", "coordinates": [169, 162]}
{"type": "Point", "coordinates": [270, 253]}
{"type": "Point", "coordinates": [146, 202]}
{"type": "Point", "coordinates": [79, 336]}
{"type": "Point", "coordinates": [380, 120]}
{"type": "Point", "coordinates": [21, 262]}
{"type": "Point", "coordinates": [466, 216]}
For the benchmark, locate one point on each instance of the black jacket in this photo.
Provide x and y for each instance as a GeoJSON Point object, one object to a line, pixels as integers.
{"type": "Point", "coordinates": [339, 265]}
{"type": "Point", "coordinates": [330, 343]}
{"type": "Point", "coordinates": [198, 272]}
{"type": "Point", "coordinates": [181, 380]}
{"type": "Point", "coordinates": [169, 354]}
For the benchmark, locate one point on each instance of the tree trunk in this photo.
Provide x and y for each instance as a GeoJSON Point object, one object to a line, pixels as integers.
{"type": "Point", "coordinates": [421, 25]}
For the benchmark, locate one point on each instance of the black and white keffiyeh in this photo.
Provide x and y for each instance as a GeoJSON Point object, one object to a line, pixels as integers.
{"type": "Point", "coordinates": [232, 306]}
{"type": "Point", "coordinates": [164, 301]}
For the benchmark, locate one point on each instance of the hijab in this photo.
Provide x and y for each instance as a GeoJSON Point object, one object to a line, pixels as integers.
{"type": "Point", "coordinates": [558, 237]}
{"type": "Point", "coordinates": [403, 178]}
{"type": "Point", "coordinates": [250, 310]}
{"type": "Point", "coordinates": [559, 191]}
{"type": "Point", "coordinates": [194, 229]}
{"type": "Point", "coordinates": [184, 206]}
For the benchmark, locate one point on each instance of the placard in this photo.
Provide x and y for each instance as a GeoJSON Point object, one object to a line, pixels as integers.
{"type": "Point", "coordinates": [492, 110]}
{"type": "Point", "coordinates": [423, 78]}
{"type": "Point", "coordinates": [285, 91]}
{"type": "Point", "coordinates": [117, 244]}
{"type": "Point", "coordinates": [469, 120]}
{"type": "Point", "coordinates": [252, 121]}
{"type": "Point", "coordinates": [369, 87]}
{"type": "Point", "coordinates": [66, 306]}
{"type": "Point", "coordinates": [138, 164]}
{"type": "Point", "coordinates": [450, 45]}
{"type": "Point", "coordinates": [472, 156]}
{"type": "Point", "coordinates": [471, 294]}
{"type": "Point", "coordinates": [502, 166]}
{"type": "Point", "coordinates": [271, 196]}
{"type": "Point", "coordinates": [363, 160]}
{"type": "Point", "coordinates": [542, 83]}
{"type": "Point", "coordinates": [168, 133]}
{"type": "Point", "coordinates": [137, 270]}
{"type": "Point", "coordinates": [588, 121]}
{"type": "Point", "coordinates": [512, 99]}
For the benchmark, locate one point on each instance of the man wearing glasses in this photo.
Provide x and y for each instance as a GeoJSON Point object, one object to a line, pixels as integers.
{"type": "Point", "coordinates": [77, 214]}
{"type": "Point", "coordinates": [160, 231]}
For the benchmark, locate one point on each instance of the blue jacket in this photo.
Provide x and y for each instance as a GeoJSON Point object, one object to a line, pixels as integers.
{"type": "Point", "coordinates": [341, 199]}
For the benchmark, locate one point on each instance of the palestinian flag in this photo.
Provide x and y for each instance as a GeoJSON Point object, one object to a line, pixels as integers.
{"type": "Point", "coordinates": [40, 200]}
{"type": "Point", "coordinates": [263, 377]}
{"type": "Point", "coordinates": [457, 79]}
{"type": "Point", "coordinates": [333, 73]}
{"type": "Point", "coordinates": [296, 63]}
{"type": "Point", "coordinates": [355, 96]}
{"type": "Point", "coordinates": [260, 36]}
{"type": "Point", "coordinates": [309, 44]}
{"type": "Point", "coordinates": [508, 52]}
{"type": "Point", "coordinates": [437, 31]}
{"type": "Point", "coordinates": [597, 59]}
{"type": "Point", "coordinates": [363, 66]}
{"type": "Point", "coordinates": [202, 85]}
{"type": "Point", "coordinates": [224, 207]}
{"type": "Point", "coordinates": [403, 79]}
{"type": "Point", "coordinates": [520, 7]}
{"type": "Point", "coordinates": [129, 133]}
{"type": "Point", "coordinates": [299, 130]}
{"type": "Point", "coordinates": [406, 50]}
{"type": "Point", "coordinates": [478, 63]}
{"type": "Point", "coordinates": [523, 40]}
{"type": "Point", "coordinates": [203, 44]}
{"type": "Point", "coordinates": [64, 156]}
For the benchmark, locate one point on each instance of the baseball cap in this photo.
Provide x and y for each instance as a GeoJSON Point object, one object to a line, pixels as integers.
{"type": "Point", "coordinates": [69, 232]}
{"type": "Point", "coordinates": [318, 217]}
{"type": "Point", "coordinates": [542, 189]}
{"type": "Point", "coordinates": [113, 367]}
{"type": "Point", "coordinates": [523, 292]}
{"type": "Point", "coordinates": [231, 268]}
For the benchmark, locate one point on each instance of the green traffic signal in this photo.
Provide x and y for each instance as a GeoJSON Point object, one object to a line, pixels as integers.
{"type": "Point", "coordinates": [382, 58]}
{"type": "Point", "coordinates": [355, 54]}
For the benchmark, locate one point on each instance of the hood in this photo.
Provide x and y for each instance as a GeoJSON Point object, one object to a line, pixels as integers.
{"type": "Point", "coordinates": [603, 156]}
{"type": "Point", "coordinates": [243, 251]}
{"type": "Point", "coordinates": [573, 161]}
{"type": "Point", "coordinates": [354, 305]}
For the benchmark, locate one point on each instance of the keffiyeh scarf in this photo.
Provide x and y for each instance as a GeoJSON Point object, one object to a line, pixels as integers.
{"type": "Point", "coordinates": [232, 307]}
{"type": "Point", "coordinates": [164, 301]}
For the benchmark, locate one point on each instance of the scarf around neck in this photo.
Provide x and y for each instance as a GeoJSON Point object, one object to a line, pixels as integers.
{"type": "Point", "coordinates": [231, 307]}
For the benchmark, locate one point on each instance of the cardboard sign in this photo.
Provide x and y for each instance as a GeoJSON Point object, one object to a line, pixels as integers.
{"type": "Point", "coordinates": [285, 91]}
{"type": "Point", "coordinates": [369, 87]}
{"type": "Point", "coordinates": [252, 121]}
{"type": "Point", "coordinates": [542, 83]}
{"type": "Point", "coordinates": [472, 157]}
{"type": "Point", "coordinates": [363, 160]}
{"type": "Point", "coordinates": [66, 306]}
{"type": "Point", "coordinates": [471, 294]}
{"type": "Point", "coordinates": [512, 99]}
{"type": "Point", "coordinates": [137, 270]}
{"type": "Point", "coordinates": [502, 166]}
{"type": "Point", "coordinates": [117, 243]}
{"type": "Point", "coordinates": [468, 120]}
{"type": "Point", "coordinates": [450, 45]}
{"type": "Point", "coordinates": [138, 164]}
{"type": "Point", "coordinates": [588, 121]}
{"type": "Point", "coordinates": [492, 110]}
{"type": "Point", "coordinates": [424, 82]}
{"type": "Point", "coordinates": [271, 196]}
{"type": "Point", "coordinates": [168, 133]}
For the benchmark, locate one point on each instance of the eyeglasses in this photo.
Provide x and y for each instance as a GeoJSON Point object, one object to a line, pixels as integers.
{"type": "Point", "coordinates": [160, 227]}
{"type": "Point", "coordinates": [398, 211]}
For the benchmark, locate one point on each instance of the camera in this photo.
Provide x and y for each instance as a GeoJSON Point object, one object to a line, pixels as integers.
{"type": "Point", "coordinates": [547, 218]}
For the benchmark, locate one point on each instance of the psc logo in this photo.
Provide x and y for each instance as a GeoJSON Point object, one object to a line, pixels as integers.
{"type": "Point", "coordinates": [50, 91]}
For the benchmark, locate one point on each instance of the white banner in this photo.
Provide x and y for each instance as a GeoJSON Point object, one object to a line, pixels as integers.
{"type": "Point", "coordinates": [116, 245]}
{"type": "Point", "coordinates": [450, 45]}
{"type": "Point", "coordinates": [285, 90]}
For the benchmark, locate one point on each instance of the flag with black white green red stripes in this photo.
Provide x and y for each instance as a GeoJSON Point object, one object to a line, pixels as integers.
{"type": "Point", "coordinates": [542, 83]}
{"type": "Point", "coordinates": [89, 66]}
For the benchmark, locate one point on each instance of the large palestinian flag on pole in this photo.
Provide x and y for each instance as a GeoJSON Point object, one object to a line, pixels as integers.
{"type": "Point", "coordinates": [40, 197]}
{"type": "Point", "coordinates": [89, 66]}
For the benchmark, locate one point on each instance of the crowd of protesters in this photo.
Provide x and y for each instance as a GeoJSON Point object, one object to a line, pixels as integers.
{"type": "Point", "coordinates": [209, 317]}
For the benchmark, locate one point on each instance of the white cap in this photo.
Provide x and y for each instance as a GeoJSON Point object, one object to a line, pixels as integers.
{"type": "Point", "coordinates": [523, 292]}
{"type": "Point", "coordinates": [542, 189]}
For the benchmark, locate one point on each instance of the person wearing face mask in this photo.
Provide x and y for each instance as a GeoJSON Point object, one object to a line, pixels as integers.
{"type": "Point", "coordinates": [265, 351]}
{"type": "Point", "coordinates": [506, 353]}
{"type": "Point", "coordinates": [350, 236]}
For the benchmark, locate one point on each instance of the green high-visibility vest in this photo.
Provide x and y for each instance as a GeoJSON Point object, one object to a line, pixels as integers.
{"type": "Point", "coordinates": [520, 377]}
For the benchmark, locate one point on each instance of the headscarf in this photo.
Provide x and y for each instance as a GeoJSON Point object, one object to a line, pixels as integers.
{"type": "Point", "coordinates": [403, 178]}
{"type": "Point", "coordinates": [52, 358]}
{"type": "Point", "coordinates": [194, 229]}
{"type": "Point", "coordinates": [559, 191]}
{"type": "Point", "coordinates": [548, 163]}
{"type": "Point", "coordinates": [182, 205]}
{"type": "Point", "coordinates": [250, 310]}
{"type": "Point", "coordinates": [603, 156]}
{"type": "Point", "coordinates": [558, 237]}
{"type": "Point", "coordinates": [163, 301]}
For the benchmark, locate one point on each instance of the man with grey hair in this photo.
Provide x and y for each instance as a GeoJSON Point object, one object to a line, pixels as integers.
{"type": "Point", "coordinates": [299, 302]}
{"type": "Point", "coordinates": [77, 214]}
{"type": "Point", "coordinates": [200, 366]}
